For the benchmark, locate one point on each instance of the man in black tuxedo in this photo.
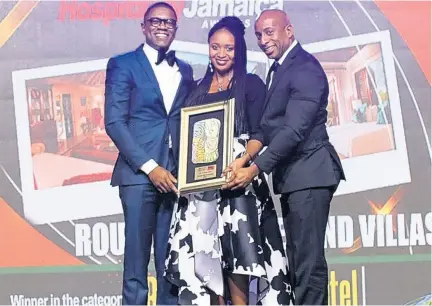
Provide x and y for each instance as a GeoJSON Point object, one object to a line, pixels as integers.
{"type": "Point", "coordinates": [306, 168]}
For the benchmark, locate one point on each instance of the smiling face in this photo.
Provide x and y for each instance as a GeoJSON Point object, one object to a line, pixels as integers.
{"type": "Point", "coordinates": [274, 34]}
{"type": "Point", "coordinates": [221, 50]}
{"type": "Point", "coordinates": [160, 27]}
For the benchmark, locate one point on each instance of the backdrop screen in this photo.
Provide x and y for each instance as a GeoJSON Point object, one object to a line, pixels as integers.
{"type": "Point", "coordinates": [61, 223]}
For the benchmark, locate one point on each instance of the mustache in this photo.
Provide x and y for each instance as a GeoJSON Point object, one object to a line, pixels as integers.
{"type": "Point", "coordinates": [161, 30]}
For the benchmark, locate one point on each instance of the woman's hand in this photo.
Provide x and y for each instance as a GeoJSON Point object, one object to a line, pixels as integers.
{"type": "Point", "coordinates": [242, 178]}
{"type": "Point", "coordinates": [238, 163]}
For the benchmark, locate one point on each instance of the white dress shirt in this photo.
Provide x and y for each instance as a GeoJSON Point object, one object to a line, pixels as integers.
{"type": "Point", "coordinates": [280, 61]}
{"type": "Point", "coordinates": [169, 80]}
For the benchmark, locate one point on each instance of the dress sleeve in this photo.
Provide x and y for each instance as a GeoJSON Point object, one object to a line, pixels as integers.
{"type": "Point", "coordinates": [255, 97]}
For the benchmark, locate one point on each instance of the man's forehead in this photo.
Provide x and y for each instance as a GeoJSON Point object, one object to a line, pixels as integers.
{"type": "Point", "coordinates": [266, 22]}
{"type": "Point", "coordinates": [162, 12]}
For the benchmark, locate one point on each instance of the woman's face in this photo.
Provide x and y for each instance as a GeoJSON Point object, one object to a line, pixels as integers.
{"type": "Point", "coordinates": [221, 50]}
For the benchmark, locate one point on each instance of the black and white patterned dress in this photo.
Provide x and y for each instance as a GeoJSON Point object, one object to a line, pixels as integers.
{"type": "Point", "coordinates": [216, 233]}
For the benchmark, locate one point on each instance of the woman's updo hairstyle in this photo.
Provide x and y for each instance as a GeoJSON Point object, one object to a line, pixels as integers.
{"type": "Point", "coordinates": [236, 27]}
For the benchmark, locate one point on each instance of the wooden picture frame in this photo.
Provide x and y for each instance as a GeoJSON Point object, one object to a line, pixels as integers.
{"type": "Point", "coordinates": [206, 146]}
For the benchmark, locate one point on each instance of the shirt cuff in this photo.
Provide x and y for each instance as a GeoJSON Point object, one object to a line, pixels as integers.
{"type": "Point", "coordinates": [149, 166]}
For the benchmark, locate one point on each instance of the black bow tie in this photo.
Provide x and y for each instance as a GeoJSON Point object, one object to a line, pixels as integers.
{"type": "Point", "coordinates": [169, 57]}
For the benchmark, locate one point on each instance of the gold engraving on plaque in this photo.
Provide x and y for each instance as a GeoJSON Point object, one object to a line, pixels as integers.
{"type": "Point", "coordinates": [205, 141]}
{"type": "Point", "coordinates": [205, 172]}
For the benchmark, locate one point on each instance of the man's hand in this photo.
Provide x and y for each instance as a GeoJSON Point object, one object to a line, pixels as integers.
{"type": "Point", "coordinates": [163, 180]}
{"type": "Point", "coordinates": [241, 178]}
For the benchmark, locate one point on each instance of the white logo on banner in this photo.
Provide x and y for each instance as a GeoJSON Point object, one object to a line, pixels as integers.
{"type": "Point", "coordinates": [220, 8]}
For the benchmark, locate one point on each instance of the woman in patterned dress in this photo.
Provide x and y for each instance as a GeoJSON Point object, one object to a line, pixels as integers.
{"type": "Point", "coordinates": [226, 245]}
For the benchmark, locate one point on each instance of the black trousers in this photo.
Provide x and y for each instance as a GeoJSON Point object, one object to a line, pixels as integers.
{"type": "Point", "coordinates": [305, 214]}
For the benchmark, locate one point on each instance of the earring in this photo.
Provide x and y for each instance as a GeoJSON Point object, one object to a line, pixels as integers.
{"type": "Point", "coordinates": [210, 66]}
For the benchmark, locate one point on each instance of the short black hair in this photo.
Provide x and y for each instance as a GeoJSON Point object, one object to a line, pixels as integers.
{"type": "Point", "coordinates": [159, 4]}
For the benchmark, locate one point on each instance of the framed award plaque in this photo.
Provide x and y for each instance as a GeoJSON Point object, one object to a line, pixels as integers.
{"type": "Point", "coordinates": [206, 145]}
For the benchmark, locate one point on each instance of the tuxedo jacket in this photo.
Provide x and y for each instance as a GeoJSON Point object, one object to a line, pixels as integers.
{"type": "Point", "coordinates": [293, 128]}
{"type": "Point", "coordinates": [136, 118]}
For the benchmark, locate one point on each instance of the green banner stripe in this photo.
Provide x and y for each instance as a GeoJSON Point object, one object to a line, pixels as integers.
{"type": "Point", "coordinates": [119, 267]}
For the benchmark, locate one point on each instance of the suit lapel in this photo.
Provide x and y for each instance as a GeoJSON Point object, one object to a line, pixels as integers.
{"type": "Point", "coordinates": [143, 60]}
{"type": "Point", "coordinates": [288, 61]}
